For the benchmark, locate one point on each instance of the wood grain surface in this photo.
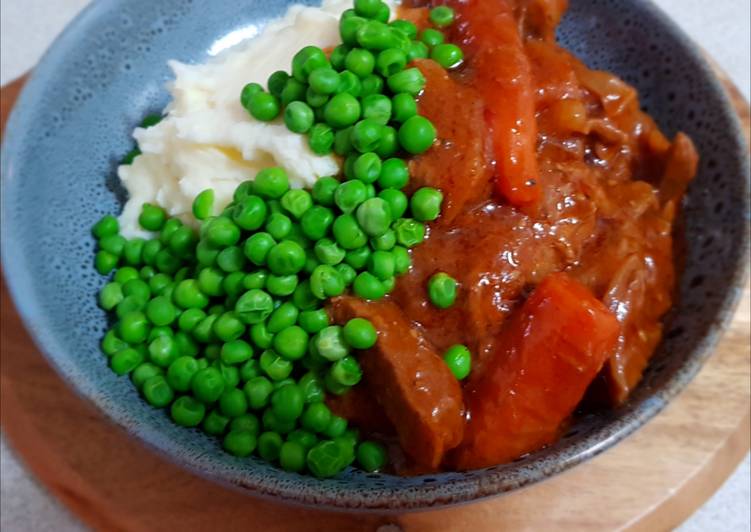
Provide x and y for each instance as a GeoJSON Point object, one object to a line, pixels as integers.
{"type": "Point", "coordinates": [651, 481]}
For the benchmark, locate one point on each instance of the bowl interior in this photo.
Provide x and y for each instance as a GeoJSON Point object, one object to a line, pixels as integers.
{"type": "Point", "coordinates": [73, 123]}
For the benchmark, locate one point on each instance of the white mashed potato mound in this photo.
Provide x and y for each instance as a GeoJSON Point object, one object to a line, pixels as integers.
{"type": "Point", "coordinates": [207, 140]}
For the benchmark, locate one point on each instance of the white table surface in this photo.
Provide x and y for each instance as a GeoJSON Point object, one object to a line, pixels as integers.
{"type": "Point", "coordinates": [28, 26]}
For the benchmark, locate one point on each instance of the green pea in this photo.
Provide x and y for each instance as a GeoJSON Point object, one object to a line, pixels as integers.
{"type": "Point", "coordinates": [377, 36]}
{"type": "Point", "coordinates": [250, 212]}
{"type": "Point", "coordinates": [368, 286]}
{"type": "Point", "coordinates": [208, 385]}
{"type": "Point", "coordinates": [447, 55]}
{"type": "Point", "coordinates": [283, 317]}
{"type": "Point", "coordinates": [417, 135]}
{"type": "Point", "coordinates": [337, 427]}
{"type": "Point", "coordinates": [394, 174]}
{"type": "Point", "coordinates": [316, 101]}
{"type": "Point", "coordinates": [257, 247]}
{"type": "Point", "coordinates": [233, 286]}
{"type": "Point", "coordinates": [294, 91]}
{"type": "Point", "coordinates": [205, 254]}
{"type": "Point", "coordinates": [346, 372]}
{"type": "Point", "coordinates": [402, 260]}
{"type": "Point", "coordinates": [233, 403]}
{"type": "Point", "coordinates": [326, 459]}
{"type": "Point", "coordinates": [128, 305]}
{"type": "Point", "coordinates": [441, 16]}
{"type": "Point", "coordinates": [432, 37]}
{"type": "Point", "coordinates": [384, 242]}
{"type": "Point", "coordinates": [404, 107]}
{"type": "Point", "coordinates": [313, 321]}
{"type": "Point", "coordinates": [106, 226]}
{"type": "Point", "coordinates": [130, 156]}
{"type": "Point", "coordinates": [374, 216]}
{"type": "Point", "coordinates": [113, 244]}
{"type": "Point", "coordinates": [255, 280]}
{"type": "Point", "coordinates": [203, 204]}
{"type": "Point", "coordinates": [286, 258]}
{"type": "Point", "coordinates": [240, 443]}
{"type": "Point", "coordinates": [105, 262]}
{"type": "Point", "coordinates": [292, 457]}
{"type": "Point", "coordinates": [312, 388]}
{"type": "Point", "coordinates": [111, 344]}
{"type": "Point", "coordinates": [311, 261]}
{"type": "Point", "coordinates": [409, 232]}
{"type": "Point", "coordinates": [157, 391]}
{"type": "Point", "coordinates": [228, 327]}
{"type": "Point", "coordinates": [417, 50]}
{"type": "Point", "coordinates": [264, 106]}
{"type": "Point", "coordinates": [298, 117]}
{"type": "Point", "coordinates": [306, 61]}
{"type": "Point", "coordinates": [254, 306]}
{"type": "Point", "coordinates": [348, 233]}
{"type": "Point", "coordinates": [163, 351]}
{"type": "Point", "coordinates": [366, 135]}
{"type": "Point", "coordinates": [276, 367]}
{"type": "Point", "coordinates": [247, 93]}
{"type": "Point", "coordinates": [222, 232]}
{"type": "Point", "coordinates": [269, 446]}
{"type": "Point", "coordinates": [358, 258]}
{"type": "Point", "coordinates": [236, 352]}
{"type": "Point", "coordinates": [316, 417]}
{"type": "Point", "coordinates": [111, 295]}
{"type": "Point", "coordinates": [325, 282]}
{"type": "Point", "coordinates": [126, 360]}
{"type": "Point", "coordinates": [188, 294]}
{"type": "Point", "coordinates": [181, 372]}
{"type": "Point", "coordinates": [157, 332]}
{"type": "Point", "coordinates": [150, 251]}
{"type": "Point", "coordinates": [215, 423]}
{"type": "Point", "coordinates": [185, 344]}
{"type": "Point", "coordinates": [377, 108]}
{"type": "Point", "coordinates": [360, 62]}
{"type": "Point", "coordinates": [324, 190]}
{"type": "Point", "coordinates": [258, 391]}
{"type": "Point", "coordinates": [330, 343]}
{"type": "Point", "coordinates": [204, 331]}
{"type": "Point", "coordinates": [291, 343]}
{"type": "Point", "coordinates": [371, 456]}
{"type": "Point", "coordinates": [442, 290]}
{"type": "Point", "coordinates": [384, 12]}
{"type": "Point", "coordinates": [396, 200]}
{"type": "Point", "coordinates": [360, 333]}
{"type": "Point", "coordinates": [278, 226]}
{"type": "Point", "coordinates": [324, 80]}
{"type": "Point", "coordinates": [187, 412]}
{"type": "Point", "coordinates": [287, 402]}
{"type": "Point", "coordinates": [371, 85]}
{"type": "Point", "coordinates": [143, 373]}
{"type": "Point", "coordinates": [170, 226]}
{"type": "Point", "coordinates": [367, 8]}
{"type": "Point", "coordinates": [272, 183]}
{"type": "Point", "coordinates": [426, 204]}
{"type": "Point", "coordinates": [125, 274]}
{"type": "Point", "coordinates": [328, 252]}
{"type": "Point", "coordinates": [246, 423]}
{"type": "Point", "coordinates": [390, 62]}
{"type": "Point", "coordinates": [406, 27]}
{"type": "Point", "coordinates": [261, 336]}
{"type": "Point", "coordinates": [459, 360]}
{"type": "Point", "coordinates": [161, 311]}
{"type": "Point", "coordinates": [349, 28]}
{"type": "Point", "coordinates": [303, 297]}
{"type": "Point", "coordinates": [343, 110]}
{"type": "Point", "coordinates": [388, 146]}
{"type": "Point", "coordinates": [276, 82]}
{"type": "Point", "coordinates": [281, 285]}
{"type": "Point", "coordinates": [231, 259]}
{"type": "Point", "coordinates": [337, 58]}
{"type": "Point", "coordinates": [321, 139]}
{"type": "Point", "coordinates": [342, 143]}
{"type": "Point", "coordinates": [350, 84]}
{"type": "Point", "coordinates": [134, 327]}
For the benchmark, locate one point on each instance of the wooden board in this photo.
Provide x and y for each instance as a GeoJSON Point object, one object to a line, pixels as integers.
{"type": "Point", "coordinates": [651, 481]}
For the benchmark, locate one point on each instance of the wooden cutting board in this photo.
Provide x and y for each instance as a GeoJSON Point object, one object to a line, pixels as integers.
{"type": "Point", "coordinates": [651, 481]}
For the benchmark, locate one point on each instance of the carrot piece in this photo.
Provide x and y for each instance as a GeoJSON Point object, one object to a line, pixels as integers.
{"type": "Point", "coordinates": [545, 359]}
{"type": "Point", "coordinates": [495, 51]}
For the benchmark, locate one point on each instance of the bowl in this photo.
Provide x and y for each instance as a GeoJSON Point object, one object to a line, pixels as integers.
{"type": "Point", "coordinates": [108, 69]}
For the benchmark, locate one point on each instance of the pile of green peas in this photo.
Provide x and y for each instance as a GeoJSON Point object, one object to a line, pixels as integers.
{"type": "Point", "coordinates": [225, 327]}
{"type": "Point", "coordinates": [360, 99]}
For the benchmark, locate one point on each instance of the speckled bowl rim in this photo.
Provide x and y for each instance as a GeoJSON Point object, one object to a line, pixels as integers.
{"type": "Point", "coordinates": [500, 480]}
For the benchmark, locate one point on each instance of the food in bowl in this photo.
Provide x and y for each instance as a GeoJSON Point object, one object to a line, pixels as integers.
{"type": "Point", "coordinates": [492, 249]}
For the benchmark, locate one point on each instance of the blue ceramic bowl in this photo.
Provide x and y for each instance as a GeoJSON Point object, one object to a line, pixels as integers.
{"type": "Point", "coordinates": [73, 123]}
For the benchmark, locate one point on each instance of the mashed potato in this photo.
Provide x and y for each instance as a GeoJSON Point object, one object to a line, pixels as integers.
{"type": "Point", "coordinates": [207, 139]}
